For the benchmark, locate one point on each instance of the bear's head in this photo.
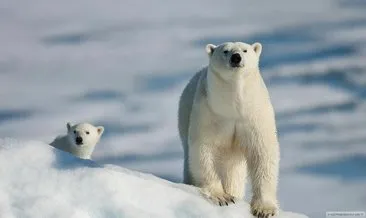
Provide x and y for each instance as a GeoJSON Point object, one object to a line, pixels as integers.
{"type": "Point", "coordinates": [84, 134]}
{"type": "Point", "coordinates": [231, 57]}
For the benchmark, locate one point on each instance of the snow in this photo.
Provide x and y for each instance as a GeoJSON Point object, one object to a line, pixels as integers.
{"type": "Point", "coordinates": [123, 65]}
{"type": "Point", "coordinates": [38, 180]}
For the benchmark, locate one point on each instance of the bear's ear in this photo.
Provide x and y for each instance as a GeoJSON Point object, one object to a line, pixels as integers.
{"type": "Point", "coordinates": [257, 48]}
{"type": "Point", "coordinates": [210, 48]}
{"type": "Point", "coordinates": [68, 125]}
{"type": "Point", "coordinates": [100, 130]}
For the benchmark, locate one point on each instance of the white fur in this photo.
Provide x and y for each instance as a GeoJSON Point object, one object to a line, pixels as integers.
{"type": "Point", "coordinates": [227, 124]}
{"type": "Point", "coordinates": [90, 136]}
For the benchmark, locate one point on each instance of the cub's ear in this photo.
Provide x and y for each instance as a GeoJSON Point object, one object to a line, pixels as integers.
{"type": "Point", "coordinates": [100, 130]}
{"type": "Point", "coordinates": [257, 48]}
{"type": "Point", "coordinates": [68, 125]}
{"type": "Point", "coordinates": [210, 48]}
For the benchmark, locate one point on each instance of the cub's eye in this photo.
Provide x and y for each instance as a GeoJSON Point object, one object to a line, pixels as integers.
{"type": "Point", "coordinates": [74, 132]}
{"type": "Point", "coordinates": [87, 132]}
{"type": "Point", "coordinates": [226, 51]}
{"type": "Point", "coordinates": [245, 51]}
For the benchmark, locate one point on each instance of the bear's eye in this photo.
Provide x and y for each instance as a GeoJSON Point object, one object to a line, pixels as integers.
{"type": "Point", "coordinates": [87, 132]}
{"type": "Point", "coordinates": [245, 51]}
{"type": "Point", "coordinates": [74, 131]}
{"type": "Point", "coordinates": [226, 51]}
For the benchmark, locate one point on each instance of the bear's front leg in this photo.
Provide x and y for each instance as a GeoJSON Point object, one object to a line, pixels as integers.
{"type": "Point", "coordinates": [203, 165]}
{"type": "Point", "coordinates": [263, 165]}
{"type": "Point", "coordinates": [209, 135]}
{"type": "Point", "coordinates": [215, 194]}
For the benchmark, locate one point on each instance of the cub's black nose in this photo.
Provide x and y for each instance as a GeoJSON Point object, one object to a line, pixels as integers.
{"type": "Point", "coordinates": [79, 140]}
{"type": "Point", "coordinates": [235, 59]}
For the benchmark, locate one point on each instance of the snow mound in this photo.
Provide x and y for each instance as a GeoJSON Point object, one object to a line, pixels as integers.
{"type": "Point", "coordinates": [38, 180]}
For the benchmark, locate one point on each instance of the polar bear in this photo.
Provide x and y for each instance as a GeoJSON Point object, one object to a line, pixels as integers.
{"type": "Point", "coordinates": [80, 139]}
{"type": "Point", "coordinates": [227, 125]}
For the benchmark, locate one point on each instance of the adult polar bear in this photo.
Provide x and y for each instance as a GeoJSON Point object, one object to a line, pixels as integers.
{"type": "Point", "coordinates": [227, 125]}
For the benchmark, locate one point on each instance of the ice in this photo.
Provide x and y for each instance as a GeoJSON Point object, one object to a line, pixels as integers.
{"type": "Point", "coordinates": [38, 180]}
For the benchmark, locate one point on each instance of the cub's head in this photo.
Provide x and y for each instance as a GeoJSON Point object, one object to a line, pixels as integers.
{"type": "Point", "coordinates": [233, 57]}
{"type": "Point", "coordinates": [84, 134]}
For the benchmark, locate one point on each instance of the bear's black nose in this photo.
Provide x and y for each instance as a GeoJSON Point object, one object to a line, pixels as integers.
{"type": "Point", "coordinates": [79, 140]}
{"type": "Point", "coordinates": [235, 59]}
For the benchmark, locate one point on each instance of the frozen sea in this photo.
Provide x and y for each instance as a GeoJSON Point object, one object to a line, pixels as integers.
{"type": "Point", "coordinates": [123, 65]}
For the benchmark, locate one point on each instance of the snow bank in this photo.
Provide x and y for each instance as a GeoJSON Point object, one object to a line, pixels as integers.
{"type": "Point", "coordinates": [37, 180]}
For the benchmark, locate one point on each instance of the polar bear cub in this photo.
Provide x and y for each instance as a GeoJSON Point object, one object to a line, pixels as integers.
{"type": "Point", "coordinates": [227, 126]}
{"type": "Point", "coordinates": [80, 139]}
